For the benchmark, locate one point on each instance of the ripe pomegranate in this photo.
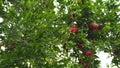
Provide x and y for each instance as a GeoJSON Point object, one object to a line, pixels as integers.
{"type": "Point", "coordinates": [115, 52]}
{"type": "Point", "coordinates": [89, 53]}
{"type": "Point", "coordinates": [80, 61]}
{"type": "Point", "coordinates": [74, 29]}
{"type": "Point", "coordinates": [86, 66]}
{"type": "Point", "coordinates": [80, 45]}
{"type": "Point", "coordinates": [99, 27]}
{"type": "Point", "coordinates": [93, 26]}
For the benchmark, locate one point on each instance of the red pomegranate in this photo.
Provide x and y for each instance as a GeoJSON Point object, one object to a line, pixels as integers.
{"type": "Point", "coordinates": [80, 62]}
{"type": "Point", "coordinates": [80, 45]}
{"type": "Point", "coordinates": [93, 26]}
{"type": "Point", "coordinates": [86, 66]}
{"type": "Point", "coordinates": [115, 52]}
{"type": "Point", "coordinates": [89, 53]}
{"type": "Point", "coordinates": [74, 29]}
{"type": "Point", "coordinates": [99, 27]}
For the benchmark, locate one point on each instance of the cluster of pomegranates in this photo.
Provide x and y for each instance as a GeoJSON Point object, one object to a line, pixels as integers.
{"type": "Point", "coordinates": [88, 53]}
{"type": "Point", "coordinates": [92, 26]}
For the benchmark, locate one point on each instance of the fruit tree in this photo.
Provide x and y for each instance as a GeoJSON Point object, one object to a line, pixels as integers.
{"type": "Point", "coordinates": [58, 33]}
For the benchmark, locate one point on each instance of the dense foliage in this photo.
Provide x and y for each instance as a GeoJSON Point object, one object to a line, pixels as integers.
{"type": "Point", "coordinates": [58, 33]}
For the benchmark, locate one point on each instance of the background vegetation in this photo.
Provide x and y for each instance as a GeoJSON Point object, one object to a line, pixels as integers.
{"type": "Point", "coordinates": [37, 33]}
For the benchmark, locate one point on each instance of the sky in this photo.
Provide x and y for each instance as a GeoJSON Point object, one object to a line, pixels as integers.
{"type": "Point", "coordinates": [1, 20]}
{"type": "Point", "coordinates": [105, 59]}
